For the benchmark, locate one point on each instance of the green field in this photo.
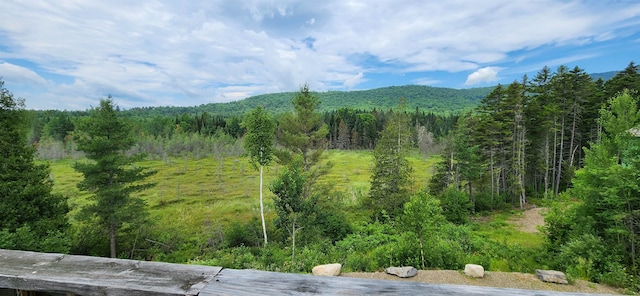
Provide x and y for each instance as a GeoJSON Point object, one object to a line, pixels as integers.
{"type": "Point", "coordinates": [192, 194]}
{"type": "Point", "coordinates": [196, 199]}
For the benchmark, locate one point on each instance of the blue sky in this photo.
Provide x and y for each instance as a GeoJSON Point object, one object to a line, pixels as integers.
{"type": "Point", "coordinates": [68, 54]}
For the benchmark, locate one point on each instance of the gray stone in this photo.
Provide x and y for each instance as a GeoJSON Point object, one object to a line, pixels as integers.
{"type": "Point", "coordinates": [327, 269]}
{"type": "Point", "coordinates": [403, 272]}
{"type": "Point", "coordinates": [474, 270]}
{"type": "Point", "coordinates": [552, 276]}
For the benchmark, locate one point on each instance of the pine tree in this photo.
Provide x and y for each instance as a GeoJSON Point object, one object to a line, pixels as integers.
{"type": "Point", "coordinates": [303, 132]}
{"type": "Point", "coordinates": [110, 175]}
{"type": "Point", "coordinates": [629, 78]}
{"type": "Point", "coordinates": [33, 218]}
{"type": "Point", "coordinates": [390, 178]}
{"type": "Point", "coordinates": [258, 142]}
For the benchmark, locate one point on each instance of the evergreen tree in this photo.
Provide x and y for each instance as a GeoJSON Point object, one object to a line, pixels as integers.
{"type": "Point", "coordinates": [629, 78]}
{"type": "Point", "coordinates": [32, 217]}
{"type": "Point", "coordinates": [390, 178]}
{"type": "Point", "coordinates": [110, 175]}
{"type": "Point", "coordinates": [609, 189]}
{"type": "Point", "coordinates": [303, 132]}
{"type": "Point", "coordinates": [258, 142]}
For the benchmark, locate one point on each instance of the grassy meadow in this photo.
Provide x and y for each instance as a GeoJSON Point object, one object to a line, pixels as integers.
{"type": "Point", "coordinates": [199, 198]}
{"type": "Point", "coordinates": [191, 195]}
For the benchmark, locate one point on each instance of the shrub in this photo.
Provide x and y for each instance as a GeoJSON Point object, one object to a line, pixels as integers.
{"type": "Point", "coordinates": [455, 205]}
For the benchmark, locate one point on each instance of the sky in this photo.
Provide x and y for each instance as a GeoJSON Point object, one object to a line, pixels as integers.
{"type": "Point", "coordinates": [69, 54]}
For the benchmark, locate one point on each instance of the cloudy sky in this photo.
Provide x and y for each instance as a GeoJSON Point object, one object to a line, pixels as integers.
{"type": "Point", "coordinates": [68, 54]}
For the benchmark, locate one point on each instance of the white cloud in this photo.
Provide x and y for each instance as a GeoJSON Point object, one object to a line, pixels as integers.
{"type": "Point", "coordinates": [426, 81]}
{"type": "Point", "coordinates": [483, 75]}
{"type": "Point", "coordinates": [170, 53]}
{"type": "Point", "coordinates": [20, 75]}
{"type": "Point", "coordinates": [353, 81]}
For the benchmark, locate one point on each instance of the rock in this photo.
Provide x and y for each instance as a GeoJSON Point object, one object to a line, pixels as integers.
{"type": "Point", "coordinates": [552, 276]}
{"type": "Point", "coordinates": [403, 272]}
{"type": "Point", "coordinates": [327, 269]}
{"type": "Point", "coordinates": [474, 270]}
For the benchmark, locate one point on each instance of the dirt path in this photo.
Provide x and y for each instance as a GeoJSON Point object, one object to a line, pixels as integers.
{"type": "Point", "coordinates": [513, 280]}
{"type": "Point", "coordinates": [530, 220]}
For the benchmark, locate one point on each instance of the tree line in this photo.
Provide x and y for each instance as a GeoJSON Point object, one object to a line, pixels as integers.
{"type": "Point", "coordinates": [527, 139]}
{"type": "Point", "coordinates": [199, 134]}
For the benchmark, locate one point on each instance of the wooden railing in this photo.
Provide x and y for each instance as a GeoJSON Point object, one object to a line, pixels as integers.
{"type": "Point", "coordinates": [31, 273]}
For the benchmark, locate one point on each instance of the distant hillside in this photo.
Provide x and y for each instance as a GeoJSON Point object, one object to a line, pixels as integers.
{"type": "Point", "coordinates": [605, 75]}
{"type": "Point", "coordinates": [429, 99]}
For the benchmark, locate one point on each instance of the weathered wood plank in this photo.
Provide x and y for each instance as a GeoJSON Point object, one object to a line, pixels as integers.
{"type": "Point", "coordinates": [254, 282]}
{"type": "Point", "coordinates": [84, 275]}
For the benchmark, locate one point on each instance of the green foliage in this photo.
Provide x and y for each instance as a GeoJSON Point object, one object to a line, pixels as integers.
{"type": "Point", "coordinates": [259, 138]}
{"type": "Point", "coordinates": [302, 132]}
{"type": "Point", "coordinates": [32, 217]}
{"type": "Point", "coordinates": [437, 99]}
{"type": "Point", "coordinates": [390, 178]}
{"type": "Point", "coordinates": [111, 177]}
{"type": "Point", "coordinates": [597, 238]}
{"type": "Point", "coordinates": [455, 205]}
{"type": "Point", "coordinates": [289, 202]}
{"type": "Point", "coordinates": [629, 78]}
{"type": "Point", "coordinates": [583, 257]}
{"type": "Point", "coordinates": [258, 143]}
{"type": "Point", "coordinates": [239, 234]}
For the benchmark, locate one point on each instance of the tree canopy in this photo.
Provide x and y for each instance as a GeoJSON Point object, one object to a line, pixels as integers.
{"type": "Point", "coordinates": [110, 175]}
{"type": "Point", "coordinates": [33, 218]}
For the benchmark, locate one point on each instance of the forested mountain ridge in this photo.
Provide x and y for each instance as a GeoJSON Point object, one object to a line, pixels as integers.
{"type": "Point", "coordinates": [427, 98]}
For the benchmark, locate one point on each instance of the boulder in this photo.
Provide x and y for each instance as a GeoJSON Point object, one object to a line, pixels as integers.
{"type": "Point", "coordinates": [403, 272]}
{"type": "Point", "coordinates": [474, 270]}
{"type": "Point", "coordinates": [552, 276]}
{"type": "Point", "coordinates": [327, 269]}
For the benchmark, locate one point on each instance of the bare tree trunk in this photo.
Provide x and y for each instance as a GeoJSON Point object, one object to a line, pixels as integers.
{"type": "Point", "coordinates": [560, 159]}
{"type": "Point", "coordinates": [555, 156]}
{"type": "Point", "coordinates": [546, 165]}
{"type": "Point", "coordinates": [264, 226]}
{"type": "Point", "coordinates": [422, 253]}
{"type": "Point", "coordinates": [112, 239]}
{"type": "Point", "coordinates": [573, 133]}
{"type": "Point", "coordinates": [523, 193]}
{"type": "Point", "coordinates": [493, 187]}
{"type": "Point", "coordinates": [293, 241]}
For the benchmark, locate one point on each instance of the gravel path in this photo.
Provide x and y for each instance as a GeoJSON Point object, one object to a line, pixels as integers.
{"type": "Point", "coordinates": [528, 222]}
{"type": "Point", "coordinates": [514, 280]}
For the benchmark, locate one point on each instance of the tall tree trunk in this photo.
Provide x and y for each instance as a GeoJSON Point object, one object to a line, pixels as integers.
{"type": "Point", "coordinates": [573, 134]}
{"type": "Point", "coordinates": [555, 156]}
{"type": "Point", "coordinates": [522, 167]}
{"type": "Point", "coordinates": [560, 159]}
{"type": "Point", "coordinates": [293, 241]}
{"type": "Point", "coordinates": [264, 226]}
{"type": "Point", "coordinates": [493, 187]}
{"type": "Point", "coordinates": [546, 164]}
{"type": "Point", "coordinates": [422, 252]}
{"type": "Point", "coordinates": [112, 239]}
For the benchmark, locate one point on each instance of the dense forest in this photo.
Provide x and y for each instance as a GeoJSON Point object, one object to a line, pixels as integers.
{"type": "Point", "coordinates": [560, 139]}
{"type": "Point", "coordinates": [432, 99]}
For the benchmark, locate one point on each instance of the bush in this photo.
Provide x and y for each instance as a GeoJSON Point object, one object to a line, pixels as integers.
{"type": "Point", "coordinates": [455, 205]}
{"type": "Point", "coordinates": [238, 234]}
{"type": "Point", "coordinates": [582, 257]}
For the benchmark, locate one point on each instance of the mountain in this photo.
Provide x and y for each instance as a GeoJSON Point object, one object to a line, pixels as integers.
{"type": "Point", "coordinates": [605, 75]}
{"type": "Point", "coordinates": [426, 98]}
